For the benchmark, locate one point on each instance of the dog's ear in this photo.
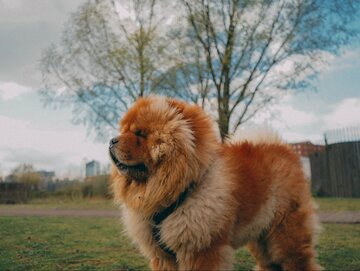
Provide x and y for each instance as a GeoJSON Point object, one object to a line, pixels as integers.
{"type": "Point", "coordinates": [178, 105]}
{"type": "Point", "coordinates": [159, 150]}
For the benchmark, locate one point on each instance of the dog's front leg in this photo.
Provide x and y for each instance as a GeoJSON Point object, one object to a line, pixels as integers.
{"type": "Point", "coordinates": [163, 263]}
{"type": "Point", "coordinates": [216, 257]}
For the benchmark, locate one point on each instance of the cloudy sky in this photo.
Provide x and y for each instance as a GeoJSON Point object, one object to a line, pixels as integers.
{"type": "Point", "coordinates": [47, 139]}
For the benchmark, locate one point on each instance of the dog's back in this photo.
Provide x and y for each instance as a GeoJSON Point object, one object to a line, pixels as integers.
{"type": "Point", "coordinates": [275, 213]}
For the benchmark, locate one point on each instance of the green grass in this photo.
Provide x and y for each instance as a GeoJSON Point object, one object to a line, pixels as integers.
{"type": "Point", "coordinates": [339, 247]}
{"type": "Point", "coordinates": [32, 243]}
{"type": "Point", "coordinates": [39, 243]}
{"type": "Point", "coordinates": [67, 243]}
{"type": "Point", "coordinates": [338, 204]}
{"type": "Point", "coordinates": [64, 203]}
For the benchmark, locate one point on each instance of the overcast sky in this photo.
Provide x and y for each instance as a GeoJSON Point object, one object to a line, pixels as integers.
{"type": "Point", "coordinates": [47, 139]}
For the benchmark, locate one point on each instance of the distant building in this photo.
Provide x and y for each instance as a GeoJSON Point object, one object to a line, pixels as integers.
{"type": "Point", "coordinates": [46, 176]}
{"type": "Point", "coordinates": [304, 150]}
{"type": "Point", "coordinates": [92, 168]}
{"type": "Point", "coordinates": [106, 169]}
{"type": "Point", "coordinates": [307, 148]}
{"type": "Point", "coordinates": [305, 161]}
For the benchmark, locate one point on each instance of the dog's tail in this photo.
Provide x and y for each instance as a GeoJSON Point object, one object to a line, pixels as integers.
{"type": "Point", "coordinates": [257, 134]}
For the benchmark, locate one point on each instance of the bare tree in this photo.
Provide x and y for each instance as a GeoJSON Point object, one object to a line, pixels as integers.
{"type": "Point", "coordinates": [111, 53]}
{"type": "Point", "coordinates": [235, 55]}
{"type": "Point", "coordinates": [188, 75]}
{"type": "Point", "coordinates": [255, 50]}
{"type": "Point", "coordinates": [25, 173]}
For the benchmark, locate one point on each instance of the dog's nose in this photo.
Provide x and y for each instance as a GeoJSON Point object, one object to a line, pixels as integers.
{"type": "Point", "coordinates": [114, 140]}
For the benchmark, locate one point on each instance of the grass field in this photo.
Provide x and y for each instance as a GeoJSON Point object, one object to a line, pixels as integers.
{"type": "Point", "coordinates": [64, 203]}
{"type": "Point", "coordinates": [67, 243]}
{"type": "Point", "coordinates": [58, 203]}
{"type": "Point", "coordinates": [70, 243]}
{"type": "Point", "coordinates": [338, 204]}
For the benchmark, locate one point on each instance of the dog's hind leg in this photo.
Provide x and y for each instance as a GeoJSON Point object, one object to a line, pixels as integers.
{"type": "Point", "coordinates": [263, 260]}
{"type": "Point", "coordinates": [291, 243]}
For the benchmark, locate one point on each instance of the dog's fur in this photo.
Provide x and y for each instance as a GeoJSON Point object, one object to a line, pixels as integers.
{"type": "Point", "coordinates": [249, 192]}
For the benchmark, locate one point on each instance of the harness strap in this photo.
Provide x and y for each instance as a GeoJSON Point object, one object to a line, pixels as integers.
{"type": "Point", "coordinates": [159, 217]}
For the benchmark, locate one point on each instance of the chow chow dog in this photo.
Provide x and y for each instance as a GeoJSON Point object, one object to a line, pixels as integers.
{"type": "Point", "coordinates": [189, 201]}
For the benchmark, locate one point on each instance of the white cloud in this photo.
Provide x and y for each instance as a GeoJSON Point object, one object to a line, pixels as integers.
{"type": "Point", "coordinates": [26, 28]}
{"type": "Point", "coordinates": [293, 123]}
{"type": "Point", "coordinates": [10, 4]}
{"type": "Point", "coordinates": [295, 117]}
{"type": "Point", "coordinates": [7, 124]}
{"type": "Point", "coordinates": [344, 114]}
{"type": "Point", "coordinates": [347, 60]}
{"type": "Point", "coordinates": [11, 90]}
{"type": "Point", "coordinates": [285, 114]}
{"type": "Point", "coordinates": [292, 136]}
{"type": "Point", "coordinates": [51, 148]}
{"type": "Point", "coordinates": [123, 12]}
{"type": "Point", "coordinates": [296, 124]}
{"type": "Point", "coordinates": [36, 10]}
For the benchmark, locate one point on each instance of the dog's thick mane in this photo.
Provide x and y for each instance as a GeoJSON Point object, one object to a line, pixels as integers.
{"type": "Point", "coordinates": [180, 127]}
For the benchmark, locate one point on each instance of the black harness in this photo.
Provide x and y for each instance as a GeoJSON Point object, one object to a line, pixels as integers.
{"type": "Point", "coordinates": [159, 217]}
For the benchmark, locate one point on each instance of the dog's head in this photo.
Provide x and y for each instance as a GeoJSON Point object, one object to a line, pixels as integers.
{"type": "Point", "coordinates": [164, 144]}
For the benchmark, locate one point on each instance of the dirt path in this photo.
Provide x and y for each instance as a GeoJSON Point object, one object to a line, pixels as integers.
{"type": "Point", "coordinates": [340, 217]}
{"type": "Point", "coordinates": [325, 217]}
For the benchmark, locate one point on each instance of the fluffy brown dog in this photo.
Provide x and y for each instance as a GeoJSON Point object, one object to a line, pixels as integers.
{"type": "Point", "coordinates": [190, 201]}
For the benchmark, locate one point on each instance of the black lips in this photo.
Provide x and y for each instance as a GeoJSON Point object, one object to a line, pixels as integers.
{"type": "Point", "coordinates": [137, 172]}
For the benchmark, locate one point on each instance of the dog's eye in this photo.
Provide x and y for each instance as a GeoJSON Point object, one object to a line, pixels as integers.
{"type": "Point", "coordinates": [140, 133]}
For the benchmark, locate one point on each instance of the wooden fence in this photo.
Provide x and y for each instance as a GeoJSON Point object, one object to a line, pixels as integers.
{"type": "Point", "coordinates": [336, 172]}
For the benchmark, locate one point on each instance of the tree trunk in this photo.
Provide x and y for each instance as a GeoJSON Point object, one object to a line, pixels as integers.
{"type": "Point", "coordinates": [223, 122]}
